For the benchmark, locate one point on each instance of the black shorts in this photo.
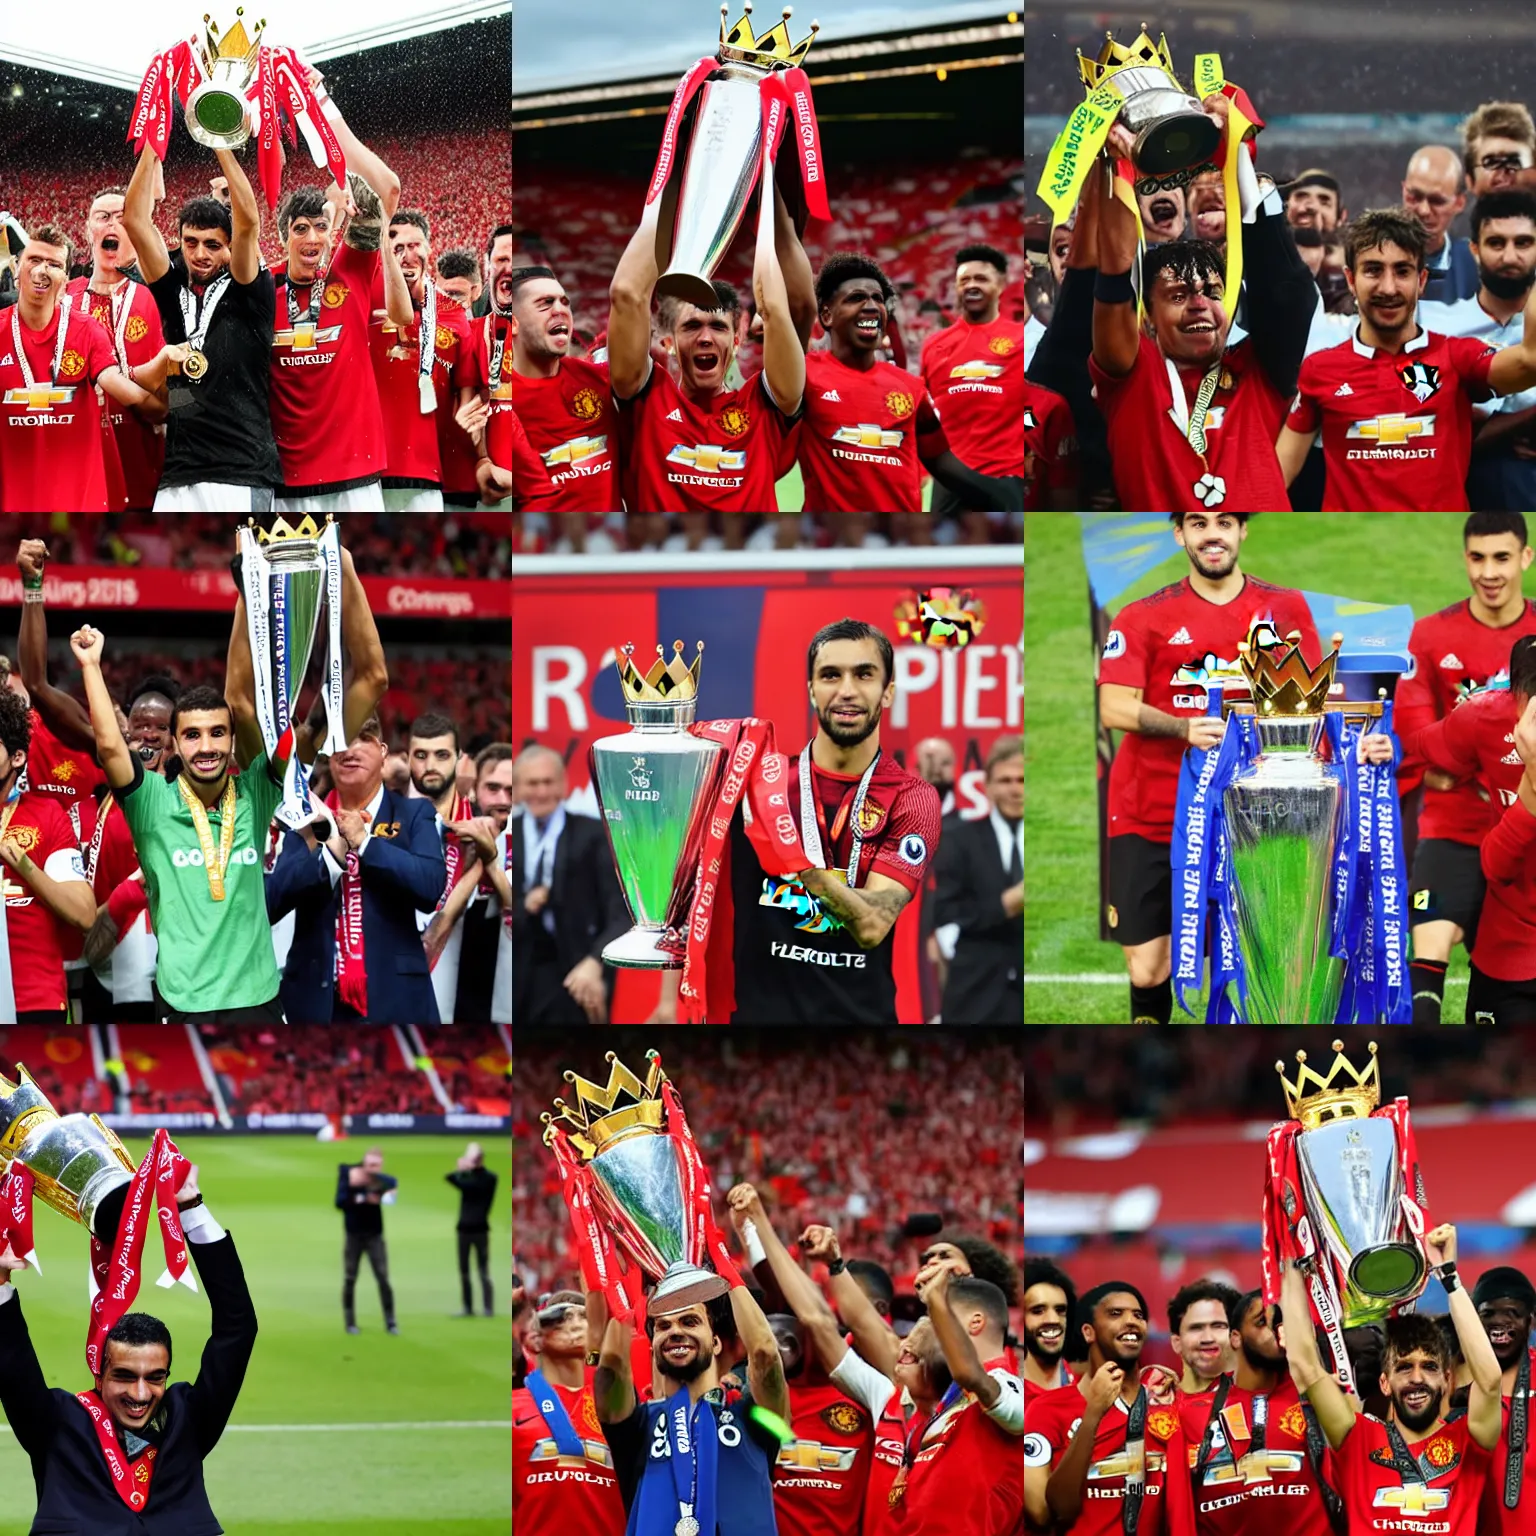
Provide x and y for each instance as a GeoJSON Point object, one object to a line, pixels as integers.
{"type": "Point", "coordinates": [1490, 1001]}
{"type": "Point", "coordinates": [264, 1013]}
{"type": "Point", "coordinates": [1140, 889]}
{"type": "Point", "coordinates": [1448, 885]}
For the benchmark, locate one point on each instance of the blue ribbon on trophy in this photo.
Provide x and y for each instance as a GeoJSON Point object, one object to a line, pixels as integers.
{"type": "Point", "coordinates": [1293, 856]}
{"type": "Point", "coordinates": [285, 572]}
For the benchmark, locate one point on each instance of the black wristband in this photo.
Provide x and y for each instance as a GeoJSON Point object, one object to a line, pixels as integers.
{"type": "Point", "coordinates": [1113, 288]}
{"type": "Point", "coordinates": [1446, 1275]}
{"type": "Point", "coordinates": [836, 1267]}
{"type": "Point", "coordinates": [191, 1204]}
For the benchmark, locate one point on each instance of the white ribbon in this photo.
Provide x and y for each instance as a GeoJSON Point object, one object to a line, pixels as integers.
{"type": "Point", "coordinates": [810, 832]}
{"type": "Point", "coordinates": [58, 350]}
{"type": "Point", "coordinates": [202, 310]}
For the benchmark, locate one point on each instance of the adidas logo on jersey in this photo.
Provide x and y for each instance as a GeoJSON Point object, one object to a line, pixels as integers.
{"type": "Point", "coordinates": [7, 361]}
{"type": "Point", "coordinates": [1182, 638]}
{"type": "Point", "coordinates": [1343, 390]}
{"type": "Point", "coordinates": [1452, 661]}
{"type": "Point", "coordinates": [831, 394]}
{"type": "Point", "coordinates": [674, 416]}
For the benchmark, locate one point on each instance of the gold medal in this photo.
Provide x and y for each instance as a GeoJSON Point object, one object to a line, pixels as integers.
{"type": "Point", "coordinates": [195, 365]}
{"type": "Point", "coordinates": [214, 866]}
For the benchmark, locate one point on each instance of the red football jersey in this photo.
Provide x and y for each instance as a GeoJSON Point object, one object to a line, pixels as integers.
{"type": "Point", "coordinates": [63, 774]}
{"type": "Point", "coordinates": [41, 830]}
{"type": "Point", "coordinates": [1397, 426]}
{"type": "Point", "coordinates": [1452, 654]}
{"type": "Point", "coordinates": [975, 374]}
{"type": "Point", "coordinates": [861, 436]}
{"type": "Point", "coordinates": [686, 458]}
{"type": "Point", "coordinates": [1031, 1391]}
{"type": "Point", "coordinates": [1052, 1420]}
{"type": "Point", "coordinates": [1174, 645]}
{"type": "Point", "coordinates": [1453, 1468]}
{"type": "Point", "coordinates": [1493, 1518]}
{"type": "Point", "coordinates": [51, 448]}
{"type": "Point", "coordinates": [571, 422]}
{"type": "Point", "coordinates": [548, 1492]}
{"type": "Point", "coordinates": [820, 1476]}
{"type": "Point", "coordinates": [884, 1467]}
{"type": "Point", "coordinates": [456, 449]}
{"type": "Point", "coordinates": [324, 402]}
{"type": "Point", "coordinates": [410, 434]}
{"type": "Point", "coordinates": [1154, 465]}
{"type": "Point", "coordinates": [110, 857]}
{"type": "Point", "coordinates": [509, 448]}
{"type": "Point", "coordinates": [140, 447]}
{"type": "Point", "coordinates": [1050, 447]}
{"type": "Point", "coordinates": [1476, 741]}
{"type": "Point", "coordinates": [967, 1474]}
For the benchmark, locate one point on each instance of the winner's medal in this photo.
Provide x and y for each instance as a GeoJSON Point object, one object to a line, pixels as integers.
{"type": "Point", "coordinates": [197, 318]}
{"type": "Point", "coordinates": [214, 867]}
{"type": "Point", "coordinates": [687, 1526]}
{"type": "Point", "coordinates": [195, 365]}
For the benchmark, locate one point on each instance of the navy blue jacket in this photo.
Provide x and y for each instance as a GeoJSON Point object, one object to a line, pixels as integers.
{"type": "Point", "coordinates": [403, 873]}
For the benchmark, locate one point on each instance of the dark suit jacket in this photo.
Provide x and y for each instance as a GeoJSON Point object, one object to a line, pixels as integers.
{"type": "Point", "coordinates": [584, 896]}
{"type": "Point", "coordinates": [986, 977]}
{"type": "Point", "coordinates": [403, 874]}
{"type": "Point", "coordinates": [75, 1495]}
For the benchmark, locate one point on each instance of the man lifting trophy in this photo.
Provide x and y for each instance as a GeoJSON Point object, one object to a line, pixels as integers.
{"type": "Point", "coordinates": [126, 1454]}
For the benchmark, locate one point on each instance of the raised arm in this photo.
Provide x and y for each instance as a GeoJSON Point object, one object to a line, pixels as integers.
{"type": "Point", "coordinates": [139, 217]}
{"type": "Point", "coordinates": [24, 1395]}
{"type": "Point", "coordinates": [783, 351]}
{"type": "Point", "coordinates": [799, 280]}
{"type": "Point", "coordinates": [61, 713]}
{"type": "Point", "coordinates": [245, 216]}
{"type": "Point", "coordinates": [872, 1335]}
{"type": "Point", "coordinates": [111, 750]}
{"type": "Point", "coordinates": [765, 1366]}
{"type": "Point", "coordinates": [240, 687]}
{"type": "Point", "coordinates": [359, 157]}
{"type": "Point", "coordinates": [365, 651]}
{"type": "Point", "coordinates": [397, 295]}
{"type": "Point", "coordinates": [1485, 1404]}
{"type": "Point", "coordinates": [1335, 1410]}
{"type": "Point", "coordinates": [1116, 339]}
{"type": "Point", "coordinates": [1514, 368]}
{"type": "Point", "coordinates": [959, 1349]}
{"type": "Point", "coordinates": [629, 309]}
{"type": "Point", "coordinates": [613, 1387]}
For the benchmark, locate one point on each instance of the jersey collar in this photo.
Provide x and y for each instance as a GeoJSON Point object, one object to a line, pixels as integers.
{"type": "Point", "coordinates": [1418, 343]}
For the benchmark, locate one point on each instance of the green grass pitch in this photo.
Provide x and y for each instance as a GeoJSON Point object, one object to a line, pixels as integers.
{"type": "Point", "coordinates": [790, 491]}
{"type": "Point", "coordinates": [1382, 557]}
{"type": "Point", "coordinates": [350, 1475]}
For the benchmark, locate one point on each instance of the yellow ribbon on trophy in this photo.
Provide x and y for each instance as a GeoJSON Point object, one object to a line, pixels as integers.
{"type": "Point", "coordinates": [1066, 167]}
{"type": "Point", "coordinates": [213, 867]}
{"type": "Point", "coordinates": [1210, 81]}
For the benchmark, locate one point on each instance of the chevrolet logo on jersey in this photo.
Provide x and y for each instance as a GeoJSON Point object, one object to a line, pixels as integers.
{"type": "Point", "coordinates": [305, 338]}
{"type": "Point", "coordinates": [975, 371]}
{"type": "Point", "coordinates": [40, 397]}
{"type": "Point", "coordinates": [811, 1456]}
{"type": "Point", "coordinates": [1412, 1499]}
{"type": "Point", "coordinates": [1125, 1465]}
{"type": "Point", "coordinates": [1391, 430]}
{"type": "Point", "coordinates": [708, 457]}
{"type": "Point", "coordinates": [576, 451]}
{"type": "Point", "coordinates": [596, 1451]}
{"type": "Point", "coordinates": [867, 435]}
{"type": "Point", "coordinates": [1255, 1467]}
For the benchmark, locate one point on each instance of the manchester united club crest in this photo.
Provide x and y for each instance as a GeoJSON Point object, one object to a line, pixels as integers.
{"type": "Point", "coordinates": [64, 770]}
{"type": "Point", "coordinates": [1001, 346]}
{"type": "Point", "coordinates": [1162, 1422]}
{"type": "Point", "coordinates": [23, 839]}
{"type": "Point", "coordinates": [734, 420]}
{"type": "Point", "coordinates": [335, 295]}
{"type": "Point", "coordinates": [843, 1418]}
{"type": "Point", "coordinates": [1293, 1422]}
{"type": "Point", "coordinates": [71, 365]}
{"type": "Point", "coordinates": [871, 816]}
{"type": "Point", "coordinates": [444, 338]}
{"type": "Point", "coordinates": [1440, 1453]}
{"type": "Point", "coordinates": [1421, 380]}
{"type": "Point", "coordinates": [898, 404]}
{"type": "Point", "coordinates": [138, 328]}
{"type": "Point", "coordinates": [585, 405]}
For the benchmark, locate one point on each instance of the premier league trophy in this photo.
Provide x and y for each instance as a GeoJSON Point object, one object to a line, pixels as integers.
{"type": "Point", "coordinates": [653, 784]}
{"type": "Point", "coordinates": [725, 150]}
{"type": "Point", "coordinates": [217, 113]}
{"type": "Point", "coordinates": [288, 575]}
{"type": "Point", "coordinates": [1345, 1197]}
{"type": "Point", "coordinates": [75, 1160]}
{"type": "Point", "coordinates": [633, 1181]}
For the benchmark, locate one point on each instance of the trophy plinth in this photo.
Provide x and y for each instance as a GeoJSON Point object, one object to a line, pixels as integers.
{"type": "Point", "coordinates": [653, 785]}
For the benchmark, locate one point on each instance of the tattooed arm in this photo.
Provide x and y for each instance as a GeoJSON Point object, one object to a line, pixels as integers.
{"type": "Point", "coordinates": [866, 913]}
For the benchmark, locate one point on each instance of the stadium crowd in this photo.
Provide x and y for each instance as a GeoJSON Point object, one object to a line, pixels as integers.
{"type": "Point", "coordinates": [1374, 357]}
{"type": "Point", "coordinates": [839, 1172]}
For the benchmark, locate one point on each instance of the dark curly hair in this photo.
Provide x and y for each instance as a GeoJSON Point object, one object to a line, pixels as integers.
{"type": "Point", "coordinates": [136, 1328]}
{"type": "Point", "coordinates": [988, 1263]}
{"type": "Point", "coordinates": [840, 266]}
{"type": "Point", "coordinates": [15, 723]}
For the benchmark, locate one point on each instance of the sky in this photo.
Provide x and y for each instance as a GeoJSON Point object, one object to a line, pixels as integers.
{"type": "Point", "coordinates": [108, 41]}
{"type": "Point", "coordinates": [666, 36]}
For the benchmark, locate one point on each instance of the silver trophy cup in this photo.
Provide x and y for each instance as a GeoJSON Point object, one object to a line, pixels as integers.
{"type": "Point", "coordinates": [1352, 1188]}
{"type": "Point", "coordinates": [1283, 825]}
{"type": "Point", "coordinates": [654, 784]}
{"type": "Point", "coordinates": [218, 112]}
{"type": "Point", "coordinates": [1172, 132]}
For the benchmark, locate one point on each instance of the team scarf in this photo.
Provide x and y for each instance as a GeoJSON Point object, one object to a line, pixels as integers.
{"type": "Point", "coordinates": [453, 858]}
{"type": "Point", "coordinates": [678, 1492]}
{"type": "Point", "coordinates": [351, 964]}
{"type": "Point", "coordinates": [131, 1479]}
{"type": "Point", "coordinates": [556, 1420]}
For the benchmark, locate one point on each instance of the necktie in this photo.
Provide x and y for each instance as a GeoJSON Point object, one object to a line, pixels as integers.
{"type": "Point", "coordinates": [546, 873]}
{"type": "Point", "coordinates": [1015, 863]}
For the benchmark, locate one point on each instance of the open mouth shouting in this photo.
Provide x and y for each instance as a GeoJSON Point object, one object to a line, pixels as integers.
{"type": "Point", "coordinates": [706, 362]}
{"type": "Point", "coordinates": [868, 327]}
{"type": "Point", "coordinates": [207, 762]}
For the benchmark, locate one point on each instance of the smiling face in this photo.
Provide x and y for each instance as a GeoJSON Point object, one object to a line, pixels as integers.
{"type": "Point", "coordinates": [1313, 207]}
{"type": "Point", "coordinates": [1187, 313]}
{"type": "Point", "coordinates": [358, 771]}
{"type": "Point", "coordinates": [849, 693]}
{"type": "Point", "coordinates": [1415, 1382]}
{"type": "Point", "coordinates": [855, 317]}
{"type": "Point", "coordinates": [42, 272]}
{"type": "Point", "coordinates": [1495, 565]}
{"type": "Point", "coordinates": [1213, 541]}
{"type": "Point", "coordinates": [1045, 1323]}
{"type": "Point", "coordinates": [684, 1345]}
{"type": "Point", "coordinates": [1118, 1329]}
{"type": "Point", "coordinates": [110, 246]}
{"type": "Point", "coordinates": [1507, 1323]}
{"type": "Point", "coordinates": [1005, 786]}
{"type": "Point", "coordinates": [1387, 281]}
{"type": "Point", "coordinates": [149, 729]}
{"type": "Point", "coordinates": [205, 740]}
{"type": "Point", "coordinates": [133, 1381]}
{"type": "Point", "coordinates": [541, 319]}
{"type": "Point", "coordinates": [704, 342]}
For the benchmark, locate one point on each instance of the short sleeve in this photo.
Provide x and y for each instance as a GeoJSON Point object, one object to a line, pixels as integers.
{"type": "Point", "coordinates": [932, 440]}
{"type": "Point", "coordinates": [1414, 690]}
{"type": "Point", "coordinates": [1304, 416]}
{"type": "Point", "coordinates": [99, 355]}
{"type": "Point", "coordinates": [1472, 359]}
{"type": "Point", "coordinates": [144, 801]}
{"type": "Point", "coordinates": [1125, 660]}
{"type": "Point", "coordinates": [913, 837]}
{"type": "Point", "coordinates": [867, 1386]}
{"type": "Point", "coordinates": [1043, 1439]}
{"type": "Point", "coordinates": [1008, 1411]}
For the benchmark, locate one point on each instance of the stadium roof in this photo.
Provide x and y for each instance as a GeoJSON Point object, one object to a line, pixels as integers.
{"type": "Point", "coordinates": [113, 44]}
{"type": "Point", "coordinates": [549, 54]}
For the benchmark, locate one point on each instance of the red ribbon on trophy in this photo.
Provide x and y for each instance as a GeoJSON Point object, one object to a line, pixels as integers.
{"type": "Point", "coordinates": [603, 1267]}
{"type": "Point", "coordinates": [115, 1272]}
{"type": "Point", "coordinates": [16, 1214]}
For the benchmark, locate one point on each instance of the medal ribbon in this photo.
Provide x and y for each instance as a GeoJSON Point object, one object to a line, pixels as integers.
{"type": "Point", "coordinates": [496, 346]}
{"type": "Point", "coordinates": [811, 817]}
{"type": "Point", "coordinates": [1515, 1432]}
{"type": "Point", "coordinates": [131, 1479]}
{"type": "Point", "coordinates": [1191, 422]}
{"type": "Point", "coordinates": [556, 1419]}
{"type": "Point", "coordinates": [202, 309]}
{"type": "Point", "coordinates": [797, 89]}
{"type": "Point", "coordinates": [352, 966]}
{"type": "Point", "coordinates": [215, 869]}
{"type": "Point", "coordinates": [687, 88]}
{"type": "Point", "coordinates": [58, 350]}
{"type": "Point", "coordinates": [1208, 1440]}
{"type": "Point", "coordinates": [428, 347]}
{"type": "Point", "coordinates": [694, 1455]}
{"type": "Point", "coordinates": [1136, 1456]}
{"type": "Point", "coordinates": [1394, 993]}
{"type": "Point", "coordinates": [316, 293]}
{"type": "Point", "coordinates": [96, 837]}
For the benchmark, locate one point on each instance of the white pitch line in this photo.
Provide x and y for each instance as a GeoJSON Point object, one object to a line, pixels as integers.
{"type": "Point", "coordinates": [310, 1429]}
{"type": "Point", "coordinates": [1110, 979]}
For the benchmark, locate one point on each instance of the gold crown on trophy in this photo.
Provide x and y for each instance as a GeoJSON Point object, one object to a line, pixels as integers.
{"type": "Point", "coordinates": [770, 49]}
{"type": "Point", "coordinates": [283, 529]}
{"type": "Point", "coordinates": [666, 682]}
{"type": "Point", "coordinates": [1287, 686]}
{"type": "Point", "coordinates": [1347, 1093]}
{"type": "Point", "coordinates": [234, 44]}
{"type": "Point", "coordinates": [602, 1115]}
{"type": "Point", "coordinates": [23, 1107]}
{"type": "Point", "coordinates": [1113, 56]}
